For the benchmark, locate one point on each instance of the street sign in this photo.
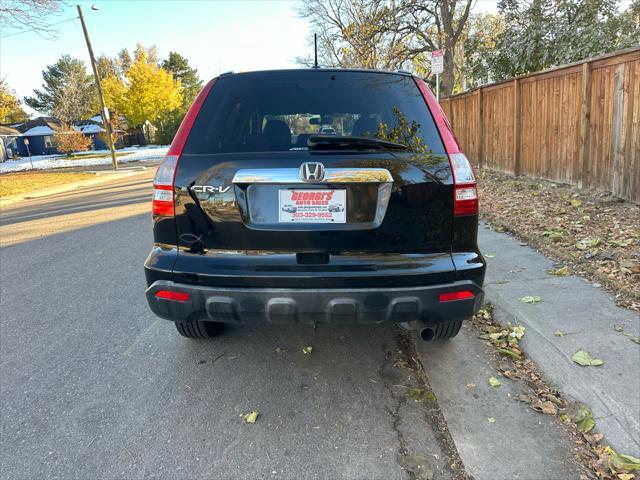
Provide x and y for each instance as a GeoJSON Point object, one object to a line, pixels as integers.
{"type": "Point", "coordinates": [437, 61]}
{"type": "Point", "coordinates": [437, 67]}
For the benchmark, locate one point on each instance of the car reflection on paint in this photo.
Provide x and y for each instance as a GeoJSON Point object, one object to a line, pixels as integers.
{"type": "Point", "coordinates": [289, 208]}
{"type": "Point", "coordinates": [336, 207]}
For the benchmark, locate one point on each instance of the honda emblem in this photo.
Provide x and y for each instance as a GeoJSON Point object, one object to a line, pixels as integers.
{"type": "Point", "coordinates": [312, 172]}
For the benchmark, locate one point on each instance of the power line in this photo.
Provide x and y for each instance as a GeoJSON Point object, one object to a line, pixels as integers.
{"type": "Point", "coordinates": [39, 28]}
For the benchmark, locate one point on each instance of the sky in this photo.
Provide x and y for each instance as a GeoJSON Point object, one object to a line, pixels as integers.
{"type": "Point", "coordinates": [216, 36]}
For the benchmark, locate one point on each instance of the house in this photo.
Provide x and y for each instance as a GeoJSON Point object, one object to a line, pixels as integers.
{"type": "Point", "coordinates": [37, 135]}
{"type": "Point", "coordinates": [8, 143]}
{"type": "Point", "coordinates": [92, 128]}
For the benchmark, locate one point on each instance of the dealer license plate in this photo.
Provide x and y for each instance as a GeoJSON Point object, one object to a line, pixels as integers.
{"type": "Point", "coordinates": [312, 206]}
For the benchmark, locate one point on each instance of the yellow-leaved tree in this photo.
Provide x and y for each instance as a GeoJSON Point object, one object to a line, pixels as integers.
{"type": "Point", "coordinates": [145, 92]}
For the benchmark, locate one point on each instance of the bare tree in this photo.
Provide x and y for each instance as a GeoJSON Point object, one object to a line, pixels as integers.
{"type": "Point", "coordinates": [356, 33]}
{"type": "Point", "coordinates": [29, 14]}
{"type": "Point", "coordinates": [438, 24]}
{"type": "Point", "coordinates": [75, 99]}
{"type": "Point", "coordinates": [387, 34]}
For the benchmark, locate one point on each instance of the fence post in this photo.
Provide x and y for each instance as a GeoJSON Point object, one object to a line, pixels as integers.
{"type": "Point", "coordinates": [586, 122]}
{"type": "Point", "coordinates": [480, 127]}
{"type": "Point", "coordinates": [517, 168]}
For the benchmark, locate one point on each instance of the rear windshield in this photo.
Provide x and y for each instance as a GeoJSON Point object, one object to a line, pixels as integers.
{"type": "Point", "coordinates": [278, 111]}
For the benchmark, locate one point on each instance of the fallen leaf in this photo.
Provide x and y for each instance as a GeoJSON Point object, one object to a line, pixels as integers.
{"type": "Point", "coordinates": [549, 408]}
{"type": "Point", "coordinates": [250, 417]}
{"type": "Point", "coordinates": [587, 243]}
{"type": "Point", "coordinates": [307, 350]}
{"type": "Point", "coordinates": [559, 272]}
{"type": "Point", "coordinates": [491, 420]}
{"type": "Point", "coordinates": [576, 412]}
{"type": "Point", "coordinates": [509, 353]}
{"type": "Point", "coordinates": [559, 334]}
{"type": "Point", "coordinates": [420, 394]}
{"type": "Point", "coordinates": [584, 358]}
{"type": "Point", "coordinates": [624, 462]}
{"type": "Point", "coordinates": [579, 414]}
{"type": "Point", "coordinates": [494, 382]}
{"type": "Point", "coordinates": [575, 202]}
{"type": "Point", "coordinates": [635, 339]}
{"type": "Point", "coordinates": [626, 476]}
{"type": "Point", "coordinates": [531, 299]}
{"type": "Point", "coordinates": [595, 438]}
{"type": "Point", "coordinates": [619, 328]}
{"type": "Point", "coordinates": [471, 385]}
{"type": "Point", "coordinates": [586, 425]}
{"type": "Point", "coordinates": [523, 398]}
{"type": "Point", "coordinates": [553, 235]}
{"type": "Point", "coordinates": [281, 350]}
{"type": "Point", "coordinates": [489, 255]}
{"type": "Point", "coordinates": [620, 243]}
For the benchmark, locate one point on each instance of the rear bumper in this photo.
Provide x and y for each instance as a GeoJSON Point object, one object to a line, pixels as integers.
{"type": "Point", "coordinates": [308, 305]}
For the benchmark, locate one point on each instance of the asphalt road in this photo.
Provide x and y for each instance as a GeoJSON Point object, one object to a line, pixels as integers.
{"type": "Point", "coordinates": [94, 386]}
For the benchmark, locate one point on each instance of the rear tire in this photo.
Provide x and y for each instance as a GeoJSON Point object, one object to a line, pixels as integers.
{"type": "Point", "coordinates": [199, 329]}
{"type": "Point", "coordinates": [446, 330]}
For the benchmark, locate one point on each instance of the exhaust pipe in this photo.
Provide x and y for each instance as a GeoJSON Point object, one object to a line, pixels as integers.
{"type": "Point", "coordinates": [427, 333]}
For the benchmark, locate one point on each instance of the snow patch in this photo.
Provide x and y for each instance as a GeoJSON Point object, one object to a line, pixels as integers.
{"type": "Point", "coordinates": [88, 129]}
{"type": "Point", "coordinates": [46, 162]}
{"type": "Point", "coordinates": [38, 131]}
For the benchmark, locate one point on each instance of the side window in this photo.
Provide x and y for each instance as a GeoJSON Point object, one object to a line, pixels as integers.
{"type": "Point", "coordinates": [48, 142]}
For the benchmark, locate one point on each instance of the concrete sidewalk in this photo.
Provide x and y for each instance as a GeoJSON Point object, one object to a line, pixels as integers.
{"type": "Point", "coordinates": [587, 315]}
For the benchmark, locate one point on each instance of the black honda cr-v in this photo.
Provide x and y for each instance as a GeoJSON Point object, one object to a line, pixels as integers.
{"type": "Point", "coordinates": [337, 196]}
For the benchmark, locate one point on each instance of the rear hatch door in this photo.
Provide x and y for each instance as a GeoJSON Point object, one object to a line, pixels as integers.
{"type": "Point", "coordinates": [256, 174]}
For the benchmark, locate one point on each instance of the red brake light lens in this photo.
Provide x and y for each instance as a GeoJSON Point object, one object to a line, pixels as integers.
{"type": "Point", "coordinates": [452, 296]}
{"type": "Point", "coordinates": [169, 295]}
{"type": "Point", "coordinates": [465, 200]}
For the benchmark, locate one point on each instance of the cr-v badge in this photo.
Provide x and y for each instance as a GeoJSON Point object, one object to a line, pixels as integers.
{"type": "Point", "coordinates": [209, 189]}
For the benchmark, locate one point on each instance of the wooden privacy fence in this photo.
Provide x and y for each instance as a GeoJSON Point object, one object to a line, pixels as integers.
{"type": "Point", "coordinates": [576, 124]}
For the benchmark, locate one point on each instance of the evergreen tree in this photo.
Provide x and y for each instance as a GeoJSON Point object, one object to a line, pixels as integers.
{"type": "Point", "coordinates": [67, 74]}
{"type": "Point", "coordinates": [188, 76]}
{"type": "Point", "coordinates": [191, 85]}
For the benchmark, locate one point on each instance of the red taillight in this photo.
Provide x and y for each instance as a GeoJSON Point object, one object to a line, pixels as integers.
{"type": "Point", "coordinates": [452, 296]}
{"type": "Point", "coordinates": [465, 200]}
{"type": "Point", "coordinates": [465, 193]}
{"type": "Point", "coordinates": [163, 204]}
{"type": "Point", "coordinates": [169, 295]}
{"type": "Point", "coordinates": [163, 201]}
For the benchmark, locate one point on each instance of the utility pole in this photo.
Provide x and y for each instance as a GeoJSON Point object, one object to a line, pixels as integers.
{"type": "Point", "coordinates": [105, 112]}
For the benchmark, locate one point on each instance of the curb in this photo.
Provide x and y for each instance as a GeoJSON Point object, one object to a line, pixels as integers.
{"type": "Point", "coordinates": [575, 382]}
{"type": "Point", "coordinates": [101, 177]}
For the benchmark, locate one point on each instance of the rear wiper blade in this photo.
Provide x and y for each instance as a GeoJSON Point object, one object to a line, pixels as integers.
{"type": "Point", "coordinates": [347, 142]}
